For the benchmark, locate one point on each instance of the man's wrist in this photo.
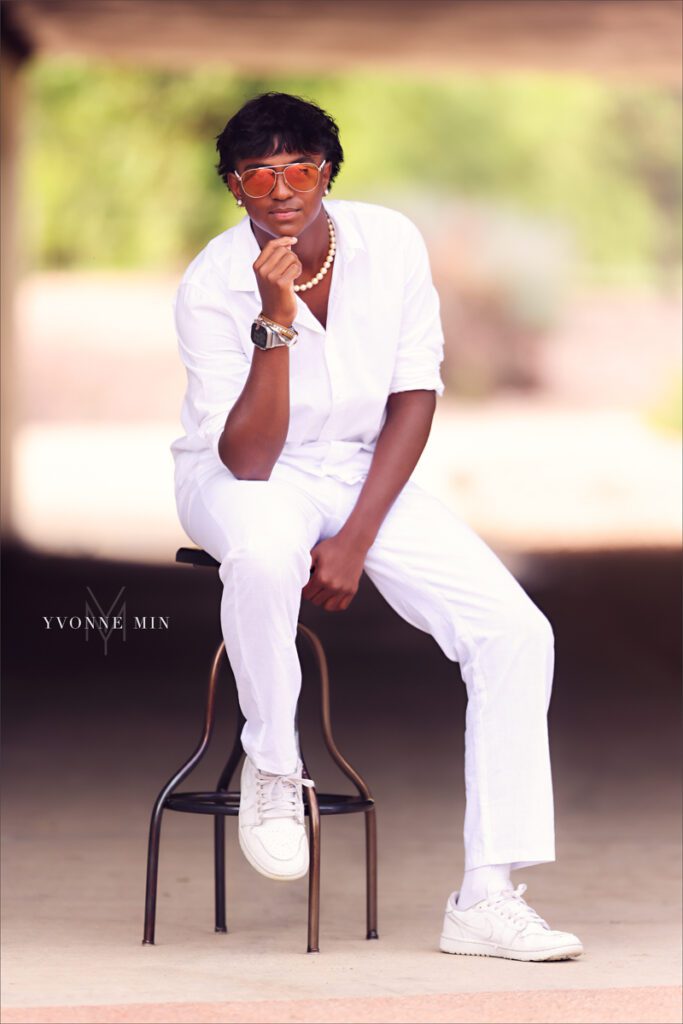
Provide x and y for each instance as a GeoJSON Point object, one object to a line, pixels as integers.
{"type": "Point", "coordinates": [357, 536]}
{"type": "Point", "coordinates": [277, 318]}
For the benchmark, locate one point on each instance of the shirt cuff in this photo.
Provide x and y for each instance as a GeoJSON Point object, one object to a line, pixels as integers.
{"type": "Point", "coordinates": [427, 383]}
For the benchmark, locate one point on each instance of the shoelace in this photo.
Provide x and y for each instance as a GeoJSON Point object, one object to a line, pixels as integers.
{"type": "Point", "coordinates": [512, 903]}
{"type": "Point", "coordinates": [279, 796]}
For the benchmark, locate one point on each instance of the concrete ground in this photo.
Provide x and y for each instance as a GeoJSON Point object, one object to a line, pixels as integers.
{"type": "Point", "coordinates": [90, 739]}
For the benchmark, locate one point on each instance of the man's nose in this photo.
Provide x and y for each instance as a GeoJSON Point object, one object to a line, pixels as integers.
{"type": "Point", "coordinates": [282, 189]}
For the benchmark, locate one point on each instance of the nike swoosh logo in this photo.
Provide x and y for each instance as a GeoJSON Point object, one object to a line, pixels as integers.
{"type": "Point", "coordinates": [483, 933]}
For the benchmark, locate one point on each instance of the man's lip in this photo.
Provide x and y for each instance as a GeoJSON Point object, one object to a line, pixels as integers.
{"type": "Point", "coordinates": [284, 210]}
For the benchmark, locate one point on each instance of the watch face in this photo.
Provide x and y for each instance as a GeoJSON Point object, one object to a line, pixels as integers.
{"type": "Point", "coordinates": [259, 335]}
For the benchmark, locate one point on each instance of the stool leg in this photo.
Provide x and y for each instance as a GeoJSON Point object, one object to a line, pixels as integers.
{"type": "Point", "coordinates": [313, 871]}
{"type": "Point", "coordinates": [152, 872]}
{"type": "Point", "coordinates": [371, 872]}
{"type": "Point", "coordinates": [219, 827]}
{"type": "Point", "coordinates": [351, 773]}
{"type": "Point", "coordinates": [219, 871]}
{"type": "Point", "coordinates": [160, 803]}
{"type": "Point", "coordinates": [314, 850]}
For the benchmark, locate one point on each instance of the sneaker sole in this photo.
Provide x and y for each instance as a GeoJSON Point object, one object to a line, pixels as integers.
{"type": "Point", "coordinates": [263, 871]}
{"type": "Point", "coordinates": [473, 948]}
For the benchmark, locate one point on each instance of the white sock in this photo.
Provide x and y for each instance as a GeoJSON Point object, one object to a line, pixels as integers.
{"type": "Point", "coordinates": [478, 883]}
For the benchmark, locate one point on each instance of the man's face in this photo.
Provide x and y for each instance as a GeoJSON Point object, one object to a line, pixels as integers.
{"type": "Point", "coordinates": [284, 211]}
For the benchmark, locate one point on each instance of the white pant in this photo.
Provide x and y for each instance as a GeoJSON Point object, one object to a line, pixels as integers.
{"type": "Point", "coordinates": [441, 577]}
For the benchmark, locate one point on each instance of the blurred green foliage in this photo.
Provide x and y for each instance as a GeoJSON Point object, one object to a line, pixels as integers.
{"type": "Point", "coordinates": [119, 162]}
{"type": "Point", "coordinates": [666, 414]}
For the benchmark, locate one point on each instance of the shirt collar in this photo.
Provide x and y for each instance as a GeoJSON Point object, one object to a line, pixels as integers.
{"type": "Point", "coordinates": [245, 249]}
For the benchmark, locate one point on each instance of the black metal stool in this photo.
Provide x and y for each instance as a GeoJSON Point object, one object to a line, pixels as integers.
{"type": "Point", "coordinates": [224, 801]}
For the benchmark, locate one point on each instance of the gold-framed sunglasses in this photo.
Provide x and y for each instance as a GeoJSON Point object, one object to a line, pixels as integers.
{"type": "Point", "coordinates": [259, 182]}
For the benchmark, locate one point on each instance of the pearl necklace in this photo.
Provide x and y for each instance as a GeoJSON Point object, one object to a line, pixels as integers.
{"type": "Point", "coordinates": [326, 265]}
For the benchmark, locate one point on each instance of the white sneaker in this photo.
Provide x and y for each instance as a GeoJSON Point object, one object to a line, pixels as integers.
{"type": "Point", "coordinates": [272, 833]}
{"type": "Point", "coordinates": [504, 925]}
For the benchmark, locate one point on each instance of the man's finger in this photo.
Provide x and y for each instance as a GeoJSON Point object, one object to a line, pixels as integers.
{"type": "Point", "coordinates": [316, 589]}
{"type": "Point", "coordinates": [291, 272]}
{"type": "Point", "coordinates": [323, 595]}
{"type": "Point", "coordinates": [273, 244]}
{"type": "Point", "coordinates": [277, 259]}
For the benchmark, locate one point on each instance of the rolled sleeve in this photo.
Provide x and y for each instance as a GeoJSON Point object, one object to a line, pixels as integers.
{"type": "Point", "coordinates": [216, 364]}
{"type": "Point", "coordinates": [421, 341]}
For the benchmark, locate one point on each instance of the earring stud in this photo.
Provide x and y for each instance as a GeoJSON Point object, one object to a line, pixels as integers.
{"type": "Point", "coordinates": [239, 202]}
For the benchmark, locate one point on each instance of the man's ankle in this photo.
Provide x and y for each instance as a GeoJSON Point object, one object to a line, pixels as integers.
{"type": "Point", "coordinates": [480, 883]}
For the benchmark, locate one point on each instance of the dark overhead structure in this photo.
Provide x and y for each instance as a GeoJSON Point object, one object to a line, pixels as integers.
{"type": "Point", "coordinates": [632, 37]}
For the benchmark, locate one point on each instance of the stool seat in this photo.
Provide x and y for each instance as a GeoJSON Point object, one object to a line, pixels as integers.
{"type": "Point", "coordinates": [195, 556]}
{"type": "Point", "coordinates": [211, 802]}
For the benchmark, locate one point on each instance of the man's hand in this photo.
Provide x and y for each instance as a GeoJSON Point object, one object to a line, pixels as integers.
{"type": "Point", "coordinates": [277, 268]}
{"type": "Point", "coordinates": [338, 566]}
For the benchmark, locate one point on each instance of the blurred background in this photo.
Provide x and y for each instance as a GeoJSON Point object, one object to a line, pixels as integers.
{"type": "Point", "coordinates": [537, 147]}
{"type": "Point", "coordinates": [551, 204]}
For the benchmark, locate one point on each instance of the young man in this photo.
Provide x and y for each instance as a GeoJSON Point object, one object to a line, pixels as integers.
{"type": "Point", "coordinates": [312, 341]}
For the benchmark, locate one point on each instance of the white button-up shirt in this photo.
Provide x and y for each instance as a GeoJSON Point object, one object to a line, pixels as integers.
{"type": "Point", "coordinates": [383, 334]}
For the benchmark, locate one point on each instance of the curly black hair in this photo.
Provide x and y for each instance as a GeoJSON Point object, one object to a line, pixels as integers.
{"type": "Point", "coordinates": [276, 122]}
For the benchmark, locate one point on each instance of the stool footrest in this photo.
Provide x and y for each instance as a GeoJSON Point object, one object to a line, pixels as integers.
{"type": "Point", "coordinates": [228, 802]}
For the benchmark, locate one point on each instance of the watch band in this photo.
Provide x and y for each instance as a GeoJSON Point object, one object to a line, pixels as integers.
{"type": "Point", "coordinates": [286, 332]}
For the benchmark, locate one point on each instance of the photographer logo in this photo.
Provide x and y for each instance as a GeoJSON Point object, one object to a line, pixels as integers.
{"type": "Point", "coordinates": [108, 622]}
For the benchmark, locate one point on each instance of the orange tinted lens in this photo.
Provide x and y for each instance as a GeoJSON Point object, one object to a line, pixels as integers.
{"type": "Point", "coordinates": [302, 177]}
{"type": "Point", "coordinates": [258, 182]}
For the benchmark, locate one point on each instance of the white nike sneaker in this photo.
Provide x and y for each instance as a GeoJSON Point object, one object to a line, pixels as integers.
{"type": "Point", "coordinates": [271, 830]}
{"type": "Point", "coordinates": [504, 925]}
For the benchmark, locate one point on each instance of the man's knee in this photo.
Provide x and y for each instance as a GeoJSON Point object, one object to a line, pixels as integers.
{"type": "Point", "coordinates": [520, 621]}
{"type": "Point", "coordinates": [534, 628]}
{"type": "Point", "coordinates": [268, 557]}
{"type": "Point", "coordinates": [539, 627]}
